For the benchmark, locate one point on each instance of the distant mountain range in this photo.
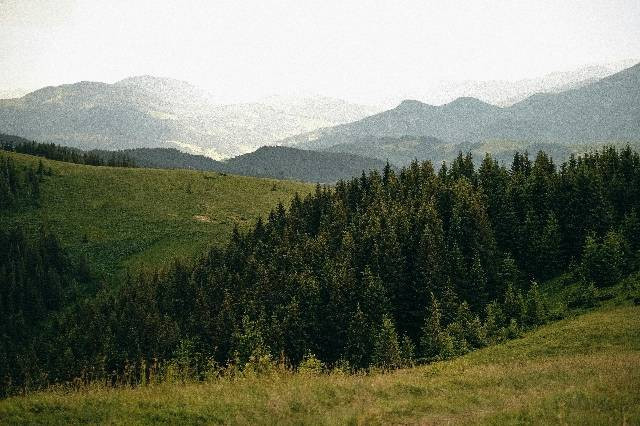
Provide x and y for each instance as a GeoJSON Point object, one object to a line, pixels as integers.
{"type": "Point", "coordinates": [148, 111]}
{"type": "Point", "coordinates": [505, 93]}
{"type": "Point", "coordinates": [607, 110]}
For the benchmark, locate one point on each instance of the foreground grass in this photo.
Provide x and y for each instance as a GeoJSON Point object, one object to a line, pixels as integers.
{"type": "Point", "coordinates": [120, 217]}
{"type": "Point", "coordinates": [583, 370]}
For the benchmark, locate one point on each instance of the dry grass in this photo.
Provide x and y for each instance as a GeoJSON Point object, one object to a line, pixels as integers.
{"type": "Point", "coordinates": [584, 370]}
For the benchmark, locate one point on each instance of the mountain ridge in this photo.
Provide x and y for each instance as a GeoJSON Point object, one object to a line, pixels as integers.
{"type": "Point", "coordinates": [147, 111]}
{"type": "Point", "coordinates": [602, 111]}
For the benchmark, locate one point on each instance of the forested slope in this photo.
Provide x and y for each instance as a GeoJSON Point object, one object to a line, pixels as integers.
{"type": "Point", "coordinates": [377, 272]}
{"type": "Point", "coordinates": [581, 370]}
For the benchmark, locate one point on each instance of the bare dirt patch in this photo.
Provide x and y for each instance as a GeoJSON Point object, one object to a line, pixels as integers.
{"type": "Point", "coordinates": [202, 218]}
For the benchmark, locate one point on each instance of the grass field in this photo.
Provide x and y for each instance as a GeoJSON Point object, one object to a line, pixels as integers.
{"type": "Point", "coordinates": [140, 217]}
{"type": "Point", "coordinates": [581, 370]}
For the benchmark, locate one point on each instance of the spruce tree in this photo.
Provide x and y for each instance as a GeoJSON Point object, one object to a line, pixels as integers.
{"type": "Point", "coordinates": [431, 329]}
{"type": "Point", "coordinates": [386, 348]}
{"type": "Point", "coordinates": [358, 344]}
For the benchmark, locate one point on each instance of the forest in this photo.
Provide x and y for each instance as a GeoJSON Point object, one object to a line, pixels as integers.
{"type": "Point", "coordinates": [63, 153]}
{"type": "Point", "coordinates": [383, 271]}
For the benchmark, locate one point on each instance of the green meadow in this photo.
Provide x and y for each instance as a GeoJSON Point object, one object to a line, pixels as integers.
{"type": "Point", "coordinates": [122, 218]}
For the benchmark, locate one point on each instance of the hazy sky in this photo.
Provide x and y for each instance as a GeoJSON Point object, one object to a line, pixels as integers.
{"type": "Point", "coordinates": [362, 50]}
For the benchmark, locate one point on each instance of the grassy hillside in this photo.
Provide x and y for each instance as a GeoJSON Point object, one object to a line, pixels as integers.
{"type": "Point", "coordinates": [582, 370]}
{"type": "Point", "coordinates": [130, 217]}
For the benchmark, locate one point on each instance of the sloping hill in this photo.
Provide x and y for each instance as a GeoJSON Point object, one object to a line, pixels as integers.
{"type": "Point", "coordinates": [273, 162]}
{"type": "Point", "coordinates": [167, 158]}
{"type": "Point", "coordinates": [121, 217]}
{"type": "Point", "coordinates": [604, 111]}
{"type": "Point", "coordinates": [582, 370]}
{"type": "Point", "coordinates": [310, 166]}
{"type": "Point", "coordinates": [269, 162]}
{"type": "Point", "coordinates": [505, 93]}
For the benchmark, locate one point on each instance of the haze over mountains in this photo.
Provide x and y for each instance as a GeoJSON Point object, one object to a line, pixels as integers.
{"type": "Point", "coordinates": [506, 93]}
{"type": "Point", "coordinates": [148, 111]}
{"type": "Point", "coordinates": [607, 110]}
{"type": "Point", "coordinates": [153, 112]}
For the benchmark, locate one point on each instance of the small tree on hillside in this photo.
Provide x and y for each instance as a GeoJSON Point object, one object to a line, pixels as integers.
{"type": "Point", "coordinates": [431, 328]}
{"type": "Point", "coordinates": [536, 309]}
{"type": "Point", "coordinates": [603, 263]}
{"type": "Point", "coordinates": [386, 349]}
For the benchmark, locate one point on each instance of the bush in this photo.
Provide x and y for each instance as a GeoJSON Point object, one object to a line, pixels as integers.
{"type": "Point", "coordinates": [311, 365]}
{"type": "Point", "coordinates": [584, 297]}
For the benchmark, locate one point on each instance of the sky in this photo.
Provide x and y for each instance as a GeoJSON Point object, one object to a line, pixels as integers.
{"type": "Point", "coordinates": [356, 50]}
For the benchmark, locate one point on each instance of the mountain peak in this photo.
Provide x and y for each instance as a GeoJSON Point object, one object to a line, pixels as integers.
{"type": "Point", "coordinates": [467, 102]}
{"type": "Point", "coordinates": [147, 79]}
{"type": "Point", "coordinates": [411, 105]}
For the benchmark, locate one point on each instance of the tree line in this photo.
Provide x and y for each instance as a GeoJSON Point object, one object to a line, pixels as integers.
{"type": "Point", "coordinates": [66, 154]}
{"type": "Point", "coordinates": [384, 270]}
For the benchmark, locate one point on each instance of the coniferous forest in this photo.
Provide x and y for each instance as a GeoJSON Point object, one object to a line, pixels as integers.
{"type": "Point", "coordinates": [382, 271]}
{"type": "Point", "coordinates": [66, 154]}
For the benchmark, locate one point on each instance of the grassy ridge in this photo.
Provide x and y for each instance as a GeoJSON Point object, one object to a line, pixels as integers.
{"type": "Point", "coordinates": [121, 217]}
{"type": "Point", "coordinates": [582, 370]}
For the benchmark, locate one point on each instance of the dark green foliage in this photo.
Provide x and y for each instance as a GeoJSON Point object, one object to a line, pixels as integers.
{"type": "Point", "coordinates": [603, 260]}
{"type": "Point", "coordinates": [386, 348]}
{"type": "Point", "coordinates": [62, 153]}
{"type": "Point", "coordinates": [19, 185]}
{"type": "Point", "coordinates": [37, 279]}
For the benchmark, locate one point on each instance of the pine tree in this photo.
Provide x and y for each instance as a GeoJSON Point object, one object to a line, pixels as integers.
{"type": "Point", "coordinates": [431, 329]}
{"type": "Point", "coordinates": [514, 305]}
{"type": "Point", "coordinates": [603, 263]}
{"type": "Point", "coordinates": [508, 275]}
{"type": "Point", "coordinates": [407, 351]}
{"type": "Point", "coordinates": [536, 310]}
{"type": "Point", "coordinates": [386, 348]}
{"type": "Point", "coordinates": [374, 302]}
{"type": "Point", "coordinates": [248, 341]}
{"type": "Point", "coordinates": [358, 344]}
{"type": "Point", "coordinates": [494, 322]}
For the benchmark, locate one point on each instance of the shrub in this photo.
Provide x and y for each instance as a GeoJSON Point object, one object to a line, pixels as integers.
{"type": "Point", "coordinates": [311, 365]}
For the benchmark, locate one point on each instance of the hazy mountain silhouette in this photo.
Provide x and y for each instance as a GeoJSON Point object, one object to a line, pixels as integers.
{"type": "Point", "coordinates": [603, 111]}
{"type": "Point", "coordinates": [506, 93]}
{"type": "Point", "coordinates": [147, 111]}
